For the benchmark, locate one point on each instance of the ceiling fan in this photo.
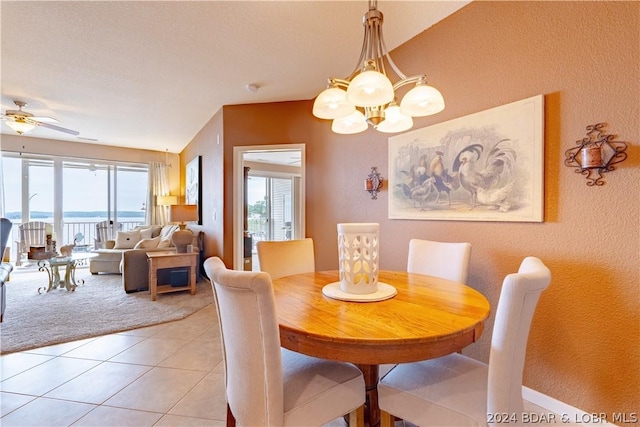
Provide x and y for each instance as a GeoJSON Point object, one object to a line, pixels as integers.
{"type": "Point", "coordinates": [24, 122]}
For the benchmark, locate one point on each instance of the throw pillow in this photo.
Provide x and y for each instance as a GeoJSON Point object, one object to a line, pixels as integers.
{"type": "Point", "coordinates": [127, 239]}
{"type": "Point", "coordinates": [148, 243]}
{"type": "Point", "coordinates": [146, 233]}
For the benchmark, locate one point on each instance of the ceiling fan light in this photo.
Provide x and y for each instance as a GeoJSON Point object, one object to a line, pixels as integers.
{"type": "Point", "coordinates": [422, 100]}
{"type": "Point", "coordinates": [332, 104]}
{"type": "Point", "coordinates": [353, 123]}
{"type": "Point", "coordinates": [394, 121]}
{"type": "Point", "coordinates": [370, 89]}
{"type": "Point", "coordinates": [20, 126]}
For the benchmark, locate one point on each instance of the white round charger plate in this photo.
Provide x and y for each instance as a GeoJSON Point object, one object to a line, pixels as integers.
{"type": "Point", "coordinates": [385, 291]}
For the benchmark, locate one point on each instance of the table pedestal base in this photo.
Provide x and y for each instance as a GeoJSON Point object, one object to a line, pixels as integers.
{"type": "Point", "coordinates": [371, 408]}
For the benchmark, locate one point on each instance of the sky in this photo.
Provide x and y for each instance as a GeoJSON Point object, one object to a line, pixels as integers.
{"type": "Point", "coordinates": [83, 189]}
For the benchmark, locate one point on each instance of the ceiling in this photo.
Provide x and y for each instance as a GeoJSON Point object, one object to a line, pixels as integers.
{"type": "Point", "coordinates": [150, 75]}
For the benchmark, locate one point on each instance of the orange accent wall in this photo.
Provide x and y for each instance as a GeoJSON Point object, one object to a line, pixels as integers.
{"type": "Point", "coordinates": [584, 345]}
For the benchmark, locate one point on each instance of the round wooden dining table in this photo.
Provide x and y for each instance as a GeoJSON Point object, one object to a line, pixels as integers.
{"type": "Point", "coordinates": [428, 317]}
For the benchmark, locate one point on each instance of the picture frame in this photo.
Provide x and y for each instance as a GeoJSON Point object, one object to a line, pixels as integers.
{"type": "Point", "coordinates": [193, 188]}
{"type": "Point", "coordinates": [487, 166]}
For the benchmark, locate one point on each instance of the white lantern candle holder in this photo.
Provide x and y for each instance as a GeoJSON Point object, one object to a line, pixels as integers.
{"type": "Point", "coordinates": [359, 249]}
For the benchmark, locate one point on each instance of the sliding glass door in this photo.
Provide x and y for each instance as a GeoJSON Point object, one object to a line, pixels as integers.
{"type": "Point", "coordinates": [72, 194]}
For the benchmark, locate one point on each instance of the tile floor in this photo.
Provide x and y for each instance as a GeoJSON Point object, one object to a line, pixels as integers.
{"type": "Point", "coordinates": [164, 375]}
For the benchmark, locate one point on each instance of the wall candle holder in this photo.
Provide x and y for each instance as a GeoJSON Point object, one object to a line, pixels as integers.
{"type": "Point", "coordinates": [595, 154]}
{"type": "Point", "coordinates": [373, 183]}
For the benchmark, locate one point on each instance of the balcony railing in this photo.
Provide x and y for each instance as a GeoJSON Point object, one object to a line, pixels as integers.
{"type": "Point", "coordinates": [71, 229]}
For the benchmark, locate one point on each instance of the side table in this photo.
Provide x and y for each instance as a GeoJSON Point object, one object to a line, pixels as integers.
{"type": "Point", "coordinates": [168, 259]}
{"type": "Point", "coordinates": [52, 267]}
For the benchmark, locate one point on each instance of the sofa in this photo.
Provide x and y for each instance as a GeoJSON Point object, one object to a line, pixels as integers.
{"type": "Point", "coordinates": [127, 254]}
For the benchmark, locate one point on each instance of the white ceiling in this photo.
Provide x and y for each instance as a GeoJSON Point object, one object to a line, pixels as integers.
{"type": "Point", "coordinates": [150, 74]}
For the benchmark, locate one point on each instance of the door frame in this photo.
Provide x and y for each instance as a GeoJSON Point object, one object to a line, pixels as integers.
{"type": "Point", "coordinates": [238, 194]}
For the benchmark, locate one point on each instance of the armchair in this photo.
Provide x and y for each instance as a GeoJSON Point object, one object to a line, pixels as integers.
{"type": "Point", "coordinates": [31, 234]}
{"type": "Point", "coordinates": [105, 231]}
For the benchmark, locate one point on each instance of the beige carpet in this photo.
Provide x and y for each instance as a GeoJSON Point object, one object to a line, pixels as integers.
{"type": "Point", "coordinates": [99, 307]}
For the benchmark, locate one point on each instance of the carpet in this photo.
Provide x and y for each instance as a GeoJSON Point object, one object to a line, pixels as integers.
{"type": "Point", "coordinates": [99, 307]}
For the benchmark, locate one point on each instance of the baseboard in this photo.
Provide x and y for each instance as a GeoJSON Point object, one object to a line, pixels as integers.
{"type": "Point", "coordinates": [568, 413]}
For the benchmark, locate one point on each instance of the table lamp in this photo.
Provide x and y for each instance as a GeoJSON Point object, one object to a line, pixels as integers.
{"type": "Point", "coordinates": [181, 214]}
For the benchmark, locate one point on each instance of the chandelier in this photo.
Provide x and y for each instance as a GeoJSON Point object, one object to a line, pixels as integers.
{"type": "Point", "coordinates": [367, 96]}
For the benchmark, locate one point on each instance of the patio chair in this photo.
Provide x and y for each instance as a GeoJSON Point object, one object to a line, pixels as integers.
{"type": "Point", "coordinates": [33, 233]}
{"type": "Point", "coordinates": [105, 230]}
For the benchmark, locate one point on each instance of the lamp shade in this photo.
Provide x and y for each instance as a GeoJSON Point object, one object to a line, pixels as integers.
{"type": "Point", "coordinates": [421, 101]}
{"type": "Point", "coordinates": [183, 213]}
{"type": "Point", "coordinates": [166, 200]}
{"type": "Point", "coordinates": [20, 126]}
{"type": "Point", "coordinates": [332, 104]}
{"type": "Point", "coordinates": [353, 123]}
{"type": "Point", "coordinates": [394, 120]}
{"type": "Point", "coordinates": [370, 89]}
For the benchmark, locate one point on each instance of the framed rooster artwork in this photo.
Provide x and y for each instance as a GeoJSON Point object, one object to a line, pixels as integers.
{"type": "Point", "coordinates": [487, 166]}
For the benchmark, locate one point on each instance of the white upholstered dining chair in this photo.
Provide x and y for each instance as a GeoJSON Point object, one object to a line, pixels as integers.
{"type": "Point", "coordinates": [456, 390]}
{"type": "Point", "coordinates": [440, 259]}
{"type": "Point", "coordinates": [265, 384]}
{"type": "Point", "coordinates": [286, 257]}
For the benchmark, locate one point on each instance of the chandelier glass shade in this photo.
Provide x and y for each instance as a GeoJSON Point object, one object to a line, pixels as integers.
{"type": "Point", "coordinates": [369, 92]}
{"type": "Point", "coordinates": [20, 125]}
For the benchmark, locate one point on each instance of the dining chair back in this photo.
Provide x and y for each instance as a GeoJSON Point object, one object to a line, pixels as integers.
{"type": "Point", "coordinates": [458, 390]}
{"type": "Point", "coordinates": [286, 257]}
{"type": "Point", "coordinates": [440, 259]}
{"type": "Point", "coordinates": [31, 233]}
{"type": "Point", "coordinates": [267, 385]}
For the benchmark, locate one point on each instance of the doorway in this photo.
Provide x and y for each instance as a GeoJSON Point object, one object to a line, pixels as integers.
{"type": "Point", "coordinates": [268, 198]}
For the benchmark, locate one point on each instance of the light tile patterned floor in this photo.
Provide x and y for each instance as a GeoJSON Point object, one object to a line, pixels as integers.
{"type": "Point", "coordinates": [164, 375]}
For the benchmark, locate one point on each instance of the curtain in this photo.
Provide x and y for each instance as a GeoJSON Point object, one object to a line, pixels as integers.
{"type": "Point", "coordinates": [158, 186]}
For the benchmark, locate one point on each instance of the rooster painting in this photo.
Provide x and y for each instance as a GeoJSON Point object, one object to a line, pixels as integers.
{"type": "Point", "coordinates": [443, 182]}
{"type": "Point", "coordinates": [488, 175]}
{"type": "Point", "coordinates": [487, 166]}
{"type": "Point", "coordinates": [419, 193]}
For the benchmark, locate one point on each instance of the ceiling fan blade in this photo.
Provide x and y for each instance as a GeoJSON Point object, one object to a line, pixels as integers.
{"type": "Point", "coordinates": [44, 119]}
{"type": "Point", "coordinates": [58, 128]}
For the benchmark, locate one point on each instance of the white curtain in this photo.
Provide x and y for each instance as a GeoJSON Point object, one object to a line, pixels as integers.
{"type": "Point", "coordinates": [158, 186]}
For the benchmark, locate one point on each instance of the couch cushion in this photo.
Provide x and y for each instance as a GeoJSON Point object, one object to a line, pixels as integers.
{"type": "Point", "coordinates": [127, 239]}
{"type": "Point", "coordinates": [111, 255]}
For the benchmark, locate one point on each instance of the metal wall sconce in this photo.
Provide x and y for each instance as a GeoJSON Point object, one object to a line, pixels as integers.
{"type": "Point", "coordinates": [373, 183]}
{"type": "Point", "coordinates": [595, 154]}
